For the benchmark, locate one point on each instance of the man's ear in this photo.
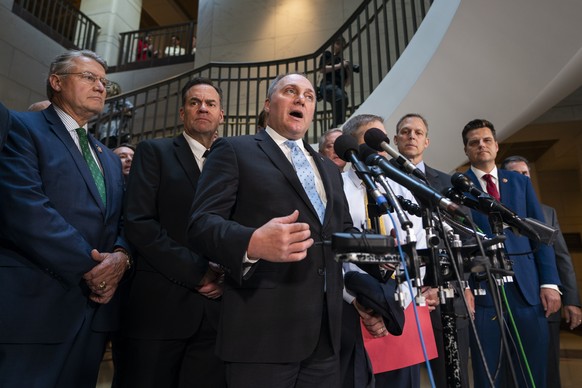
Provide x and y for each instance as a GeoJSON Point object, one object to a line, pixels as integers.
{"type": "Point", "coordinates": [55, 82]}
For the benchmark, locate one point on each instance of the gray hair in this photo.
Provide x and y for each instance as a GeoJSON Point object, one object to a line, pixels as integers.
{"type": "Point", "coordinates": [325, 135]}
{"type": "Point", "coordinates": [352, 126]}
{"type": "Point", "coordinates": [64, 62]}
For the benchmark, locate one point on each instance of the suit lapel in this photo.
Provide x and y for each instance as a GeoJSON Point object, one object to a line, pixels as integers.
{"type": "Point", "coordinates": [186, 159]}
{"type": "Point", "coordinates": [58, 128]}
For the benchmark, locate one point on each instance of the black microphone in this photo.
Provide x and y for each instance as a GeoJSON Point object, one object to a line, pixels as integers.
{"type": "Point", "coordinates": [377, 139]}
{"type": "Point", "coordinates": [458, 197]}
{"type": "Point", "coordinates": [415, 186]}
{"type": "Point", "coordinates": [346, 147]}
{"type": "Point", "coordinates": [487, 204]}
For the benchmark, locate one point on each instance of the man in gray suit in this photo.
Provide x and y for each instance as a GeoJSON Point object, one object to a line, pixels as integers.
{"type": "Point", "coordinates": [570, 297]}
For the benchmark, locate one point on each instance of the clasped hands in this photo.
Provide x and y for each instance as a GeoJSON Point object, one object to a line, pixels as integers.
{"type": "Point", "coordinates": [104, 278]}
{"type": "Point", "coordinates": [212, 284]}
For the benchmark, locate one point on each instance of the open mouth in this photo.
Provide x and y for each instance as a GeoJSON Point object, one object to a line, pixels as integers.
{"type": "Point", "coordinates": [297, 114]}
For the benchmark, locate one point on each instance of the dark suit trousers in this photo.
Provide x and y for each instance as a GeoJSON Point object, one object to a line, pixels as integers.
{"type": "Point", "coordinates": [320, 370]}
{"type": "Point", "coordinates": [554, 354]}
{"type": "Point", "coordinates": [179, 363]}
{"type": "Point", "coordinates": [533, 330]}
{"type": "Point", "coordinates": [74, 363]}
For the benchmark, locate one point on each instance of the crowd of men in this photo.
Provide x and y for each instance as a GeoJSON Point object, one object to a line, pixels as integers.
{"type": "Point", "coordinates": [206, 262]}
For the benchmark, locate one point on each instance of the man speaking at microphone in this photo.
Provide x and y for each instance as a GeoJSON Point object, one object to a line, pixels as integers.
{"type": "Point", "coordinates": [264, 207]}
{"type": "Point", "coordinates": [533, 295]}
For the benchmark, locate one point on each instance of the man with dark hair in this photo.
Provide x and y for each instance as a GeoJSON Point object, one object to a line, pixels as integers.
{"type": "Point", "coordinates": [62, 257]}
{"type": "Point", "coordinates": [533, 294]}
{"type": "Point", "coordinates": [170, 321]}
{"type": "Point", "coordinates": [337, 74]}
{"type": "Point", "coordinates": [125, 152]}
{"type": "Point", "coordinates": [569, 288]}
{"type": "Point", "coordinates": [265, 205]}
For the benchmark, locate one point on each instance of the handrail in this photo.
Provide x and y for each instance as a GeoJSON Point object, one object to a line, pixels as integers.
{"type": "Point", "coordinates": [60, 21]}
{"type": "Point", "coordinates": [135, 52]}
{"type": "Point", "coordinates": [377, 33]}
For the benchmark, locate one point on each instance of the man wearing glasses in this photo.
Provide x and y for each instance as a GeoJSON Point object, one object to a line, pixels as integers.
{"type": "Point", "coordinates": [62, 256]}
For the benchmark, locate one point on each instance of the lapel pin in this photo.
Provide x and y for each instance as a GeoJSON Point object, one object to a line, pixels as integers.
{"type": "Point", "coordinates": [99, 149]}
{"type": "Point", "coordinates": [504, 180]}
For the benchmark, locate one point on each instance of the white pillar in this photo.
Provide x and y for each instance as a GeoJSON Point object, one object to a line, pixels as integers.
{"type": "Point", "coordinates": [114, 17]}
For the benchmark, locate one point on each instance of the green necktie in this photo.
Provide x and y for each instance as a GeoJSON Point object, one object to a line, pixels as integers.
{"type": "Point", "coordinates": [93, 167]}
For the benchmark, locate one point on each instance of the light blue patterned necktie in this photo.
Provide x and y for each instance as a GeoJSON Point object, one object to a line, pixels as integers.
{"type": "Point", "coordinates": [93, 167]}
{"type": "Point", "coordinates": [306, 176]}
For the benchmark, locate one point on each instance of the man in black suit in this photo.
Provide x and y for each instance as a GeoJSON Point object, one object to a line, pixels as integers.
{"type": "Point", "coordinates": [281, 310]}
{"type": "Point", "coordinates": [170, 321]}
{"type": "Point", "coordinates": [412, 140]}
{"type": "Point", "coordinates": [569, 288]}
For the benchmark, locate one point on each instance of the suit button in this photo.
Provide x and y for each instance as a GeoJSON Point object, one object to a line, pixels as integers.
{"type": "Point", "coordinates": [321, 271]}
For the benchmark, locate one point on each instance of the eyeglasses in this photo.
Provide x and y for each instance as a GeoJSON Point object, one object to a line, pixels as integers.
{"type": "Point", "coordinates": [89, 78]}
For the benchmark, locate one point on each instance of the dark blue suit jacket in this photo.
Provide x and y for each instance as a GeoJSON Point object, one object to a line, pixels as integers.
{"type": "Point", "coordinates": [4, 124]}
{"type": "Point", "coordinates": [533, 269]}
{"type": "Point", "coordinates": [52, 217]}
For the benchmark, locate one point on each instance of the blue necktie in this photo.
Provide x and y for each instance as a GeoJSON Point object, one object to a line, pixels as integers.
{"type": "Point", "coordinates": [93, 167]}
{"type": "Point", "coordinates": [306, 176]}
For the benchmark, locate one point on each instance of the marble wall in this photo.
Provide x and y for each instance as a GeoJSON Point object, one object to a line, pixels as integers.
{"type": "Point", "coordinates": [262, 30]}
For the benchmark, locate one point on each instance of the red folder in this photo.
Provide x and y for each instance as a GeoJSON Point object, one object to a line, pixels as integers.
{"type": "Point", "coordinates": [395, 352]}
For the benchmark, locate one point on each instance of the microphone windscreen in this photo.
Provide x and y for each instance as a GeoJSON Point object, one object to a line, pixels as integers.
{"type": "Point", "coordinates": [461, 181]}
{"type": "Point", "coordinates": [344, 146]}
{"type": "Point", "coordinates": [374, 138]}
{"type": "Point", "coordinates": [365, 151]}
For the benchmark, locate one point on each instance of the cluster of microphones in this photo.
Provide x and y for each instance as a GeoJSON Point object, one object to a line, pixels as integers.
{"type": "Point", "coordinates": [373, 168]}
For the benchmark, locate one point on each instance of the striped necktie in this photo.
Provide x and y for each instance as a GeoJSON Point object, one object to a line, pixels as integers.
{"type": "Point", "coordinates": [93, 167]}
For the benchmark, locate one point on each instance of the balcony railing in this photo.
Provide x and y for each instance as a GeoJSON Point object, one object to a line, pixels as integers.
{"type": "Point", "coordinates": [60, 21]}
{"type": "Point", "coordinates": [377, 34]}
{"type": "Point", "coordinates": [156, 46]}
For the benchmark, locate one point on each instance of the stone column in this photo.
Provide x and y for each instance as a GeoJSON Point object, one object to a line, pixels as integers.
{"type": "Point", "coordinates": [114, 17]}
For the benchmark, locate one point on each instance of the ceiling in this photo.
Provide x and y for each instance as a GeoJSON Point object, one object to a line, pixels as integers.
{"type": "Point", "coordinates": [167, 12]}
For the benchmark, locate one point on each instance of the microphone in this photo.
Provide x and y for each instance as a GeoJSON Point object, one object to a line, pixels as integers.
{"type": "Point", "coordinates": [459, 198]}
{"type": "Point", "coordinates": [346, 147]}
{"type": "Point", "coordinates": [377, 139]}
{"type": "Point", "coordinates": [487, 204]}
{"type": "Point", "coordinates": [416, 187]}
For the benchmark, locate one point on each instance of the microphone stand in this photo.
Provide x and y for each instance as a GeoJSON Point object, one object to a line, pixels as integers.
{"type": "Point", "coordinates": [410, 240]}
{"type": "Point", "coordinates": [446, 294]}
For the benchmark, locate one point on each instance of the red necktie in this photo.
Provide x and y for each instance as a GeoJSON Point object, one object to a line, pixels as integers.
{"type": "Point", "coordinates": [491, 188]}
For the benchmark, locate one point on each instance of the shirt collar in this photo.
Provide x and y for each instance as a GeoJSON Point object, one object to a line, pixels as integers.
{"type": "Point", "coordinates": [280, 140]}
{"type": "Point", "coordinates": [479, 173]}
{"type": "Point", "coordinates": [70, 124]}
{"type": "Point", "coordinates": [197, 148]}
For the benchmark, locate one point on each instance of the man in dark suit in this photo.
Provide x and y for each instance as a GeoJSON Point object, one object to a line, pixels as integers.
{"type": "Point", "coordinates": [569, 288]}
{"type": "Point", "coordinates": [281, 310]}
{"type": "Point", "coordinates": [412, 140]}
{"type": "Point", "coordinates": [533, 294]}
{"type": "Point", "coordinates": [62, 256]}
{"type": "Point", "coordinates": [170, 320]}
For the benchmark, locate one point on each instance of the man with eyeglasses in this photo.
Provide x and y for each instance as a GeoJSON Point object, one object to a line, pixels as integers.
{"type": "Point", "coordinates": [62, 257]}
